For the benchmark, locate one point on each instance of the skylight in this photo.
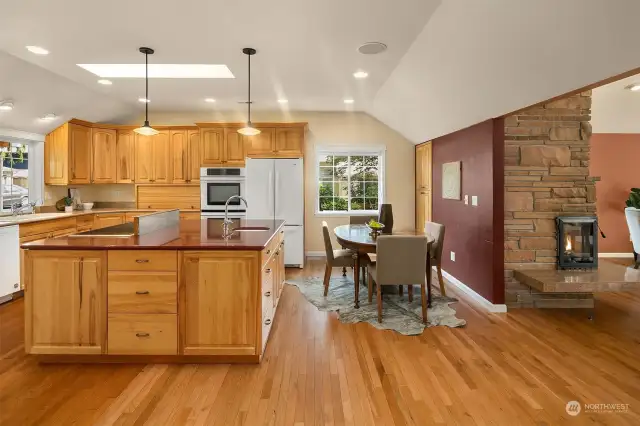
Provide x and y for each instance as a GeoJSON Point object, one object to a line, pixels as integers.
{"type": "Point", "coordinates": [158, 70]}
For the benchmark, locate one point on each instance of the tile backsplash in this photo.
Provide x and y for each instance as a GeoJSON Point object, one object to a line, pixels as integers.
{"type": "Point", "coordinates": [91, 193]}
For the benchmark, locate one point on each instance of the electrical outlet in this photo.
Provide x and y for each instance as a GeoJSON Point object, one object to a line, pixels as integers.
{"type": "Point", "coordinates": [474, 200]}
{"type": "Point", "coordinates": [466, 199]}
{"type": "Point", "coordinates": [453, 256]}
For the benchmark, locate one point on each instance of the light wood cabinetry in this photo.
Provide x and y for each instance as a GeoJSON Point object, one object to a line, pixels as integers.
{"type": "Point", "coordinates": [67, 151]}
{"type": "Point", "coordinates": [143, 158]}
{"type": "Point", "coordinates": [136, 292]}
{"type": "Point", "coordinates": [105, 156]}
{"type": "Point", "coordinates": [423, 184]}
{"type": "Point", "coordinates": [183, 197]}
{"type": "Point", "coordinates": [289, 142]}
{"type": "Point", "coordinates": [262, 144]}
{"type": "Point", "coordinates": [179, 146]}
{"type": "Point", "coordinates": [233, 148]}
{"type": "Point", "coordinates": [152, 159]}
{"type": "Point", "coordinates": [80, 146]}
{"type": "Point", "coordinates": [211, 147]}
{"type": "Point", "coordinates": [193, 139]}
{"type": "Point", "coordinates": [220, 297]}
{"type": "Point", "coordinates": [65, 296]}
{"type": "Point", "coordinates": [142, 334]}
{"type": "Point", "coordinates": [103, 220]}
{"type": "Point", "coordinates": [125, 156]}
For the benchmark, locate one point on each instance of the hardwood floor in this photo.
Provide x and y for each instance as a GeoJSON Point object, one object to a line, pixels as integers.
{"type": "Point", "coordinates": [518, 368]}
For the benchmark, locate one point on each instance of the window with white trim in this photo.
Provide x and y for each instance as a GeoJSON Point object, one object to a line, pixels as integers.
{"type": "Point", "coordinates": [349, 182]}
{"type": "Point", "coordinates": [14, 176]}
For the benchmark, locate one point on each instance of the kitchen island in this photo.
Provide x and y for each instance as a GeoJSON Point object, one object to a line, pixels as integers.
{"type": "Point", "coordinates": [183, 293]}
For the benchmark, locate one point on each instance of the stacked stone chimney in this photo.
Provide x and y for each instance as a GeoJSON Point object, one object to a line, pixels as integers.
{"type": "Point", "coordinates": [546, 175]}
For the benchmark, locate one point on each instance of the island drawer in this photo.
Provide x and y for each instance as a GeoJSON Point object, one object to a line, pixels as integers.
{"type": "Point", "coordinates": [137, 334]}
{"type": "Point", "coordinates": [269, 250]}
{"type": "Point", "coordinates": [142, 292]}
{"type": "Point", "coordinates": [143, 260]}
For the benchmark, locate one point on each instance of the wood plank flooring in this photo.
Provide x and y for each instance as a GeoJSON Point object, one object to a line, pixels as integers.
{"type": "Point", "coordinates": [518, 368]}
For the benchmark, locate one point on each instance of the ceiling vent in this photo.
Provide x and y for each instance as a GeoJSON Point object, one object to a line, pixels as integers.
{"type": "Point", "coordinates": [372, 48]}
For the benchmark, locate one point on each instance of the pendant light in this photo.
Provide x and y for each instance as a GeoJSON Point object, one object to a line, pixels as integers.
{"type": "Point", "coordinates": [249, 130]}
{"type": "Point", "coordinates": [146, 129]}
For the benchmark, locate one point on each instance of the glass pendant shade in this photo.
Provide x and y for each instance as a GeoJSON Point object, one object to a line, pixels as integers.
{"type": "Point", "coordinates": [249, 130]}
{"type": "Point", "coordinates": [146, 130]}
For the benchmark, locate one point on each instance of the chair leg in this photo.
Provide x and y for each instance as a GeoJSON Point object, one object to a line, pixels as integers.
{"type": "Point", "coordinates": [344, 271]}
{"type": "Point", "coordinates": [424, 303]}
{"type": "Point", "coordinates": [379, 297]}
{"type": "Point", "coordinates": [327, 277]}
{"type": "Point", "coordinates": [410, 293]}
{"type": "Point", "coordinates": [401, 290]}
{"type": "Point", "coordinates": [370, 288]}
{"type": "Point", "coordinates": [443, 291]}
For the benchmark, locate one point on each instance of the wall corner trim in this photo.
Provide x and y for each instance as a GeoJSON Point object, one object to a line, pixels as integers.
{"type": "Point", "coordinates": [484, 303]}
{"type": "Point", "coordinates": [612, 255]}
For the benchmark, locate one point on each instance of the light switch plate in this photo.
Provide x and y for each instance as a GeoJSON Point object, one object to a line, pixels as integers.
{"type": "Point", "coordinates": [474, 200]}
{"type": "Point", "coordinates": [466, 199]}
{"type": "Point", "coordinates": [453, 256]}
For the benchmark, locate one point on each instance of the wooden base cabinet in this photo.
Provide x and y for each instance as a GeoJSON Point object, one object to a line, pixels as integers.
{"type": "Point", "coordinates": [65, 295]}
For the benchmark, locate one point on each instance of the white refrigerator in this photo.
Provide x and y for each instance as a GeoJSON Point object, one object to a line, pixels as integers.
{"type": "Point", "coordinates": [275, 190]}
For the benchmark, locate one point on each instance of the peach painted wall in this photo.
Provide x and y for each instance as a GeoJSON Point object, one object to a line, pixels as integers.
{"type": "Point", "coordinates": [615, 158]}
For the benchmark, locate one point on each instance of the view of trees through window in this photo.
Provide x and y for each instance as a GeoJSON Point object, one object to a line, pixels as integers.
{"type": "Point", "coordinates": [14, 180]}
{"type": "Point", "coordinates": [348, 182]}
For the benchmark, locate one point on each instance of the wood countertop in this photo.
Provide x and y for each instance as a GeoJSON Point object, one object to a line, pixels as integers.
{"type": "Point", "coordinates": [204, 234]}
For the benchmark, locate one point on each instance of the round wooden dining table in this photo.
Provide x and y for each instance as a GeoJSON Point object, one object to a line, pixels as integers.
{"type": "Point", "coordinates": [358, 239]}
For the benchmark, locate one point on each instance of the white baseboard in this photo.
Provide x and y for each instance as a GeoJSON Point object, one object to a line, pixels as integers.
{"type": "Point", "coordinates": [501, 308]}
{"type": "Point", "coordinates": [625, 255]}
{"type": "Point", "coordinates": [316, 254]}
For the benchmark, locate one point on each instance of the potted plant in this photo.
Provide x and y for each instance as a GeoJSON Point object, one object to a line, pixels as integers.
{"type": "Point", "coordinates": [68, 204]}
{"type": "Point", "coordinates": [632, 213]}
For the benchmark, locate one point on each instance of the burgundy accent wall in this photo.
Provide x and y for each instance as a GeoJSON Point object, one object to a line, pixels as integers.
{"type": "Point", "coordinates": [475, 234]}
{"type": "Point", "coordinates": [614, 158]}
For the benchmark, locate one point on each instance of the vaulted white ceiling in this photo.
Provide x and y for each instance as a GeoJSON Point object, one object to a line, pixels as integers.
{"type": "Point", "coordinates": [450, 63]}
{"type": "Point", "coordinates": [307, 53]}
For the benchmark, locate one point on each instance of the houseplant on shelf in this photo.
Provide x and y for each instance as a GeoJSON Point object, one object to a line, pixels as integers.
{"type": "Point", "coordinates": [632, 213]}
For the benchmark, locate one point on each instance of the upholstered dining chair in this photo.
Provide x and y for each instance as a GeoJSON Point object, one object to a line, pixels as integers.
{"type": "Point", "coordinates": [436, 231]}
{"type": "Point", "coordinates": [335, 258]}
{"type": "Point", "coordinates": [400, 261]}
{"type": "Point", "coordinates": [362, 220]}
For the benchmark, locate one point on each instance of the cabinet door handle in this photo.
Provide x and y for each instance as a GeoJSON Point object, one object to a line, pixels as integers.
{"type": "Point", "coordinates": [269, 251]}
{"type": "Point", "coordinates": [267, 321]}
{"type": "Point", "coordinates": [142, 334]}
{"type": "Point", "coordinates": [142, 292]}
{"type": "Point", "coordinates": [268, 271]}
{"type": "Point", "coordinates": [142, 260]}
{"type": "Point", "coordinates": [267, 294]}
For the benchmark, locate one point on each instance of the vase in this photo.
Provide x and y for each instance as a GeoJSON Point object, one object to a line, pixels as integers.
{"type": "Point", "coordinates": [633, 222]}
{"type": "Point", "coordinates": [68, 209]}
{"type": "Point", "coordinates": [385, 217]}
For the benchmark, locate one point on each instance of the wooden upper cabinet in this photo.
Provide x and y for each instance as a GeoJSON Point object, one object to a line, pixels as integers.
{"type": "Point", "coordinates": [220, 293]}
{"type": "Point", "coordinates": [261, 145]}
{"type": "Point", "coordinates": [143, 158]}
{"type": "Point", "coordinates": [179, 147]}
{"type": "Point", "coordinates": [289, 141]}
{"type": "Point", "coordinates": [423, 166]}
{"type": "Point", "coordinates": [65, 299]}
{"type": "Point", "coordinates": [233, 148]}
{"type": "Point", "coordinates": [79, 154]}
{"type": "Point", "coordinates": [104, 155]}
{"type": "Point", "coordinates": [125, 156]}
{"type": "Point", "coordinates": [56, 156]}
{"type": "Point", "coordinates": [161, 144]}
{"type": "Point", "coordinates": [211, 147]}
{"type": "Point", "coordinates": [193, 173]}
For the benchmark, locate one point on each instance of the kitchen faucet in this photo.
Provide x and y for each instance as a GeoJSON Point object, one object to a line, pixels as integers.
{"type": "Point", "coordinates": [227, 222]}
{"type": "Point", "coordinates": [16, 208]}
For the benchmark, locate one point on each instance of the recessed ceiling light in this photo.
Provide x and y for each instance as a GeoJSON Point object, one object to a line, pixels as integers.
{"type": "Point", "coordinates": [6, 105]}
{"type": "Point", "coordinates": [283, 101]}
{"type": "Point", "coordinates": [372, 48]}
{"type": "Point", "coordinates": [349, 101]}
{"type": "Point", "coordinates": [158, 70]}
{"type": "Point", "coordinates": [210, 100]}
{"type": "Point", "coordinates": [361, 74]}
{"type": "Point", "coordinates": [105, 82]}
{"type": "Point", "coordinates": [48, 117]}
{"type": "Point", "coordinates": [633, 87]}
{"type": "Point", "coordinates": [144, 100]}
{"type": "Point", "coordinates": [37, 50]}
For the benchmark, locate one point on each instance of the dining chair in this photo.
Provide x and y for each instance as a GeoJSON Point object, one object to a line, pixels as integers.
{"type": "Point", "coordinates": [436, 231]}
{"type": "Point", "coordinates": [400, 261]}
{"type": "Point", "coordinates": [335, 258]}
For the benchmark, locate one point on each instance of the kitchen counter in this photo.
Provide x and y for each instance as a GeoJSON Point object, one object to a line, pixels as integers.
{"type": "Point", "coordinates": [204, 234]}
{"type": "Point", "coordinates": [41, 217]}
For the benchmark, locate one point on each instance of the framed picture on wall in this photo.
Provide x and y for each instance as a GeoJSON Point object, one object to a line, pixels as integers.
{"type": "Point", "coordinates": [451, 180]}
